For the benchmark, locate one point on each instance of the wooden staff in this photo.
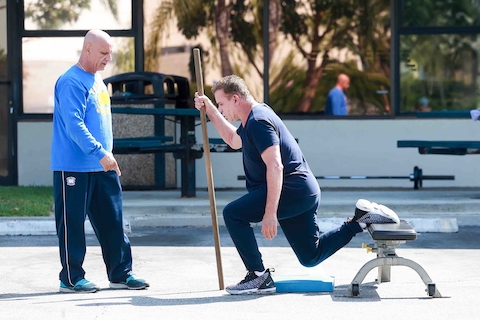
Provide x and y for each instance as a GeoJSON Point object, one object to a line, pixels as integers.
{"type": "Point", "coordinates": [208, 167]}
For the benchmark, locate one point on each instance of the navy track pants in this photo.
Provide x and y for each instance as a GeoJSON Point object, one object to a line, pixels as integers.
{"type": "Point", "coordinates": [297, 217]}
{"type": "Point", "coordinates": [98, 195]}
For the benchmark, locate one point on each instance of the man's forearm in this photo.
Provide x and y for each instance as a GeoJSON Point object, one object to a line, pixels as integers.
{"type": "Point", "coordinates": [224, 128]}
{"type": "Point", "coordinates": [274, 189]}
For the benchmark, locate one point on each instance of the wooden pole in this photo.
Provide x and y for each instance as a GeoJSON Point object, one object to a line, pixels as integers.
{"type": "Point", "coordinates": [208, 167]}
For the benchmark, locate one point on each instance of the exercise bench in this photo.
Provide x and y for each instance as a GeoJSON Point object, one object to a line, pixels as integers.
{"type": "Point", "coordinates": [387, 237]}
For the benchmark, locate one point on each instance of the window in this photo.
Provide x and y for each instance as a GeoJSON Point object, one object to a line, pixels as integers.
{"type": "Point", "coordinates": [77, 15]}
{"type": "Point", "coordinates": [317, 43]}
{"type": "Point", "coordinates": [439, 55]}
{"type": "Point", "coordinates": [52, 40]}
{"type": "Point", "coordinates": [42, 66]}
{"type": "Point", "coordinates": [439, 72]}
{"type": "Point", "coordinates": [440, 13]}
{"type": "Point", "coordinates": [4, 118]}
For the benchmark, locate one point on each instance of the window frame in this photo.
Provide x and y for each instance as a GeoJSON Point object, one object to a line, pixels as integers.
{"type": "Point", "coordinates": [424, 30]}
{"type": "Point", "coordinates": [136, 32]}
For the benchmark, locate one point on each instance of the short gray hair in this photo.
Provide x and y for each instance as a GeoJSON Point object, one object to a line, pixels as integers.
{"type": "Point", "coordinates": [232, 85]}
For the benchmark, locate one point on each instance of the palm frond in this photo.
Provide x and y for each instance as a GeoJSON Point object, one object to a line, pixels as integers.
{"type": "Point", "coordinates": [163, 15]}
{"type": "Point", "coordinates": [113, 6]}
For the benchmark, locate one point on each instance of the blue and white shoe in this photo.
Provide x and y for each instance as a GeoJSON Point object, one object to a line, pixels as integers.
{"type": "Point", "coordinates": [370, 213]}
{"type": "Point", "coordinates": [131, 283]}
{"type": "Point", "coordinates": [82, 286]}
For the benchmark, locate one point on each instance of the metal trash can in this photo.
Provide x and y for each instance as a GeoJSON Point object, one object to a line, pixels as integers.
{"type": "Point", "coordinates": [143, 90]}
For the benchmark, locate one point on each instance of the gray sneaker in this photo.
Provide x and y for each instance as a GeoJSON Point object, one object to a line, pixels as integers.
{"type": "Point", "coordinates": [370, 213]}
{"type": "Point", "coordinates": [254, 284]}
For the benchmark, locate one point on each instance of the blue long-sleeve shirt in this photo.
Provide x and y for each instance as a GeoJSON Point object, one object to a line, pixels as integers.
{"type": "Point", "coordinates": [82, 122]}
{"type": "Point", "coordinates": [336, 103]}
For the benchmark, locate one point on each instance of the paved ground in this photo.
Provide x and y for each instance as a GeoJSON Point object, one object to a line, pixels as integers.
{"type": "Point", "coordinates": [180, 264]}
{"type": "Point", "coordinates": [173, 248]}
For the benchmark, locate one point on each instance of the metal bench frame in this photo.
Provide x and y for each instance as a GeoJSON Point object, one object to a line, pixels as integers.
{"type": "Point", "coordinates": [387, 237]}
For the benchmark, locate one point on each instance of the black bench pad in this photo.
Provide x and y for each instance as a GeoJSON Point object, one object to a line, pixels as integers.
{"type": "Point", "coordinates": [392, 231]}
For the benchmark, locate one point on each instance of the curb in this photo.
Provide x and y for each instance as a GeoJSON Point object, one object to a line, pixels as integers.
{"type": "Point", "coordinates": [40, 227]}
{"type": "Point", "coordinates": [46, 226]}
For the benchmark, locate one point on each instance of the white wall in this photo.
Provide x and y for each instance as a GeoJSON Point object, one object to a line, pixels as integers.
{"type": "Point", "coordinates": [365, 147]}
{"type": "Point", "coordinates": [331, 147]}
{"type": "Point", "coordinates": [34, 153]}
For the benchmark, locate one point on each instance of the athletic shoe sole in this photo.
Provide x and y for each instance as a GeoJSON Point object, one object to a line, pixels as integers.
{"type": "Point", "coordinates": [114, 285]}
{"type": "Point", "coordinates": [71, 290]}
{"type": "Point", "coordinates": [376, 213]}
{"type": "Point", "coordinates": [252, 291]}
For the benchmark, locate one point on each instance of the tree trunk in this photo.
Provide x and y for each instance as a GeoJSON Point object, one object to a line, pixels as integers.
{"type": "Point", "coordinates": [222, 23]}
{"type": "Point", "coordinates": [311, 83]}
{"type": "Point", "coordinates": [275, 10]}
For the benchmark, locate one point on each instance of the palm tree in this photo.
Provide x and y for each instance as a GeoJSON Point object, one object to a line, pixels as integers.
{"type": "Point", "coordinates": [224, 23]}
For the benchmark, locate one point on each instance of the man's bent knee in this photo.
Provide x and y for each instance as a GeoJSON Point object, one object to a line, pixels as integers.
{"type": "Point", "coordinates": [308, 262]}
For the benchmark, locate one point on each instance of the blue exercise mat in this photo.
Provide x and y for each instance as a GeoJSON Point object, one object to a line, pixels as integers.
{"type": "Point", "coordinates": [305, 283]}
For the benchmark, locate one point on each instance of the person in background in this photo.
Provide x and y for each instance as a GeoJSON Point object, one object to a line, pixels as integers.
{"type": "Point", "coordinates": [86, 174]}
{"type": "Point", "coordinates": [422, 105]}
{"type": "Point", "coordinates": [336, 104]}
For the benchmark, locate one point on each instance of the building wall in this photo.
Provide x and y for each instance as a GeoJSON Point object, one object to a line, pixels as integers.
{"type": "Point", "coordinates": [3, 25]}
{"type": "Point", "coordinates": [34, 153]}
{"type": "Point", "coordinates": [332, 147]}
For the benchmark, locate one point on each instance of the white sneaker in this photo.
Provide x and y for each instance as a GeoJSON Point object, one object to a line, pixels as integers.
{"type": "Point", "coordinates": [370, 212]}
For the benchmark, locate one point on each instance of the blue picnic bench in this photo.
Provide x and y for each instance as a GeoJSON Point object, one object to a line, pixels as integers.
{"type": "Point", "coordinates": [445, 147]}
{"type": "Point", "coordinates": [148, 94]}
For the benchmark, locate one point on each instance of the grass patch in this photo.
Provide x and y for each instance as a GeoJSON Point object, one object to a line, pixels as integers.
{"type": "Point", "coordinates": [25, 201]}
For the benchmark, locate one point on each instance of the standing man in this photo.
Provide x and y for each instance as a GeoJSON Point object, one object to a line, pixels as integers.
{"type": "Point", "coordinates": [86, 174]}
{"type": "Point", "coordinates": [280, 184]}
{"type": "Point", "coordinates": [336, 104]}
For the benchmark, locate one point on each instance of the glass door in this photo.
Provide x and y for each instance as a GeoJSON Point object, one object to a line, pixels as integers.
{"type": "Point", "coordinates": [6, 174]}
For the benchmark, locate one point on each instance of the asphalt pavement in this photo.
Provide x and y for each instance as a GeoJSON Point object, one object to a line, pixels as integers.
{"type": "Point", "coordinates": [178, 258]}
{"type": "Point", "coordinates": [181, 266]}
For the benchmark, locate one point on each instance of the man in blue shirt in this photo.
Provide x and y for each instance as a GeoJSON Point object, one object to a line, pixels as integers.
{"type": "Point", "coordinates": [336, 104]}
{"type": "Point", "coordinates": [281, 187]}
{"type": "Point", "coordinates": [85, 172]}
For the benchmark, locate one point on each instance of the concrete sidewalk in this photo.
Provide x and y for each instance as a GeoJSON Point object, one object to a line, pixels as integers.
{"type": "Point", "coordinates": [428, 210]}
{"type": "Point", "coordinates": [180, 265]}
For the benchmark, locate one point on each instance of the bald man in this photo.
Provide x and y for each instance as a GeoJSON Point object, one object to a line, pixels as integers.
{"type": "Point", "coordinates": [336, 104]}
{"type": "Point", "coordinates": [86, 174]}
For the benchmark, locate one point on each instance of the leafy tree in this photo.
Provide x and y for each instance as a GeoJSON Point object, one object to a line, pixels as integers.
{"type": "Point", "coordinates": [317, 27]}
{"type": "Point", "coordinates": [229, 27]}
{"type": "Point", "coordinates": [52, 14]}
{"type": "Point", "coordinates": [362, 95]}
{"type": "Point", "coordinates": [431, 13]}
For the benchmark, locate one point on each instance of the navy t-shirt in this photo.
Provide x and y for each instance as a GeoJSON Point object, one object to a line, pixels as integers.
{"type": "Point", "coordinates": [264, 129]}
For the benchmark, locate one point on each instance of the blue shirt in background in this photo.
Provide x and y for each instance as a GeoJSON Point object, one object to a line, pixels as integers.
{"type": "Point", "coordinates": [82, 122]}
{"type": "Point", "coordinates": [336, 103]}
